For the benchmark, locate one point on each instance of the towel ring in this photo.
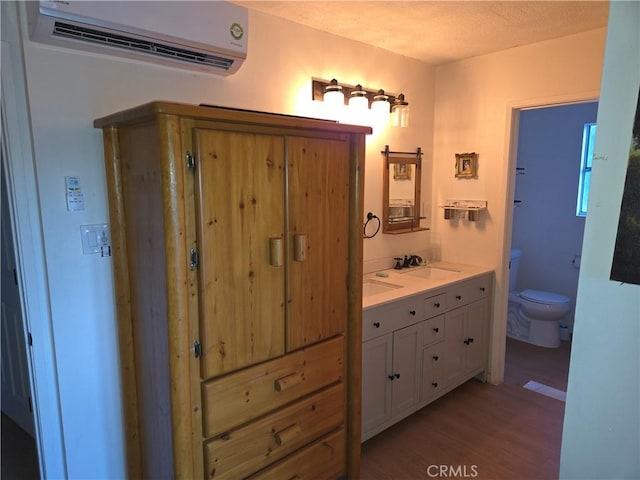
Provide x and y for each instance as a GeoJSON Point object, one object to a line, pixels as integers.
{"type": "Point", "coordinates": [371, 216]}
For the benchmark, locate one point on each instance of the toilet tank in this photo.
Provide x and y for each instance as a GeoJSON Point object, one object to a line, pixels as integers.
{"type": "Point", "coordinates": [514, 263]}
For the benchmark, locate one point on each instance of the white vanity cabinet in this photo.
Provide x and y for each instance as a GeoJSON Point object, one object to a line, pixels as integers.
{"type": "Point", "coordinates": [410, 359]}
{"type": "Point", "coordinates": [390, 376]}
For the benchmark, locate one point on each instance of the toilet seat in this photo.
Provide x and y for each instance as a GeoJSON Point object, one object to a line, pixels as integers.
{"type": "Point", "coordinates": [545, 298]}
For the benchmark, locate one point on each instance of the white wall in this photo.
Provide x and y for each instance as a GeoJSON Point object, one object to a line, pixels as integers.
{"type": "Point", "coordinates": [545, 225]}
{"type": "Point", "coordinates": [476, 109]}
{"type": "Point", "coordinates": [69, 89]}
{"type": "Point", "coordinates": [601, 435]}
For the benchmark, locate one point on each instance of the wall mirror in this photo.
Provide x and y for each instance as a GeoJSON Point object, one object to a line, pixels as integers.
{"type": "Point", "coordinates": [401, 191]}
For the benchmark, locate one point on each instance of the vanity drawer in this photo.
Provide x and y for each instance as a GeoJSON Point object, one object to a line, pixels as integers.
{"type": "Point", "coordinates": [435, 305]}
{"type": "Point", "coordinates": [458, 295]}
{"type": "Point", "coordinates": [384, 319]}
{"type": "Point", "coordinates": [242, 396]}
{"type": "Point", "coordinates": [433, 330]}
{"type": "Point", "coordinates": [240, 452]}
{"type": "Point", "coordinates": [322, 460]}
{"type": "Point", "coordinates": [479, 287]}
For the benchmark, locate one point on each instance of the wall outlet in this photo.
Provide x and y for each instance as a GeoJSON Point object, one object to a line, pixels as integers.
{"type": "Point", "coordinates": [96, 239]}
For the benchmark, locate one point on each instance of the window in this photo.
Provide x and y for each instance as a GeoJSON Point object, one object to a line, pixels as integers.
{"type": "Point", "coordinates": [588, 140]}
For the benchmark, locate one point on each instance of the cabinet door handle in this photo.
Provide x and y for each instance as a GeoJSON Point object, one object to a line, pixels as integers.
{"type": "Point", "coordinates": [437, 305]}
{"type": "Point", "coordinates": [286, 435]}
{"type": "Point", "coordinates": [436, 329]}
{"type": "Point", "coordinates": [275, 252]}
{"type": "Point", "coordinates": [397, 375]}
{"type": "Point", "coordinates": [468, 341]}
{"type": "Point", "coordinates": [286, 382]}
{"type": "Point", "coordinates": [376, 324]}
{"type": "Point", "coordinates": [434, 384]}
{"type": "Point", "coordinates": [390, 377]}
{"type": "Point", "coordinates": [482, 289]}
{"type": "Point", "coordinates": [299, 247]}
{"type": "Point", "coordinates": [435, 358]}
{"type": "Point", "coordinates": [458, 297]}
{"type": "Point", "coordinates": [412, 312]}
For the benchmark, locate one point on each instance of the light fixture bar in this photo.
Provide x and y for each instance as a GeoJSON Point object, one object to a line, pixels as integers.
{"type": "Point", "coordinates": [319, 87]}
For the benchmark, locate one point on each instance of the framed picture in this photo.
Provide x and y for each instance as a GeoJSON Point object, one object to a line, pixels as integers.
{"type": "Point", "coordinates": [402, 171]}
{"type": "Point", "coordinates": [467, 165]}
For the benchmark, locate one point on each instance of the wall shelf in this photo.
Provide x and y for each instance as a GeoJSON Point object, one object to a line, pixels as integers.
{"type": "Point", "coordinates": [455, 209]}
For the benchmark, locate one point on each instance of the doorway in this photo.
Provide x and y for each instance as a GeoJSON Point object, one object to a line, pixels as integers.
{"type": "Point", "coordinates": [545, 225]}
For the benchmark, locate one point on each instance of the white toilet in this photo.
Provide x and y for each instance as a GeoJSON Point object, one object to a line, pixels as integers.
{"type": "Point", "coordinates": [534, 315]}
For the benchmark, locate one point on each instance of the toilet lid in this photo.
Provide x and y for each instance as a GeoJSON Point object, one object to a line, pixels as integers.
{"type": "Point", "coordinates": [543, 297]}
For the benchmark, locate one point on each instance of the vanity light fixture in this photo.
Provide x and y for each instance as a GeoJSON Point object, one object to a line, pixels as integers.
{"type": "Point", "coordinates": [359, 102]}
{"type": "Point", "coordinates": [400, 112]}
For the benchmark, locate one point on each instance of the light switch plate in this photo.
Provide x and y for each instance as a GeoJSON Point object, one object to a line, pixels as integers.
{"type": "Point", "coordinates": [96, 239]}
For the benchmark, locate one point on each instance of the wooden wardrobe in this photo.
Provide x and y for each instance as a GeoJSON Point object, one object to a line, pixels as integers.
{"type": "Point", "coordinates": [237, 248]}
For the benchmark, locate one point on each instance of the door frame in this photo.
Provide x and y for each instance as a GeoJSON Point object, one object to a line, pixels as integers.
{"type": "Point", "coordinates": [498, 337]}
{"type": "Point", "coordinates": [28, 237]}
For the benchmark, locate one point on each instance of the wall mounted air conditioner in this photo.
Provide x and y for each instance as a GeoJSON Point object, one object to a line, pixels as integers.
{"type": "Point", "coordinates": [209, 36]}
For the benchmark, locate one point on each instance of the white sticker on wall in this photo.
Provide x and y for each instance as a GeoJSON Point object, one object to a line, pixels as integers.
{"type": "Point", "coordinates": [75, 197]}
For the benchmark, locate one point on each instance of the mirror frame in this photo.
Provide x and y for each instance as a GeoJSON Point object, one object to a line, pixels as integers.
{"type": "Point", "coordinates": [413, 223]}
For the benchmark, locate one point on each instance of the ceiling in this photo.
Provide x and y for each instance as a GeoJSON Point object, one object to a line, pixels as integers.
{"type": "Point", "coordinates": [443, 31]}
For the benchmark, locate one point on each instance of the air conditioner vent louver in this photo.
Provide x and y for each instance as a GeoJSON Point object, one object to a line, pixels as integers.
{"type": "Point", "coordinates": [84, 34]}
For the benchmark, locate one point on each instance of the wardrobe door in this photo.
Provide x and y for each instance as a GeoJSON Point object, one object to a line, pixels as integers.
{"type": "Point", "coordinates": [318, 182]}
{"type": "Point", "coordinates": [240, 215]}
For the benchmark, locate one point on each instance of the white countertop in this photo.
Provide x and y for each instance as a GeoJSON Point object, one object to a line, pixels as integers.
{"type": "Point", "coordinates": [410, 284]}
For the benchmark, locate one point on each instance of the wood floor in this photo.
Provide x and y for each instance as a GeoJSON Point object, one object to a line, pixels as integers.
{"type": "Point", "coordinates": [481, 431]}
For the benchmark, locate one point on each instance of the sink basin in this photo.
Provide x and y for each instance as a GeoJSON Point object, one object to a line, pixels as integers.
{"type": "Point", "coordinates": [431, 272]}
{"type": "Point", "coordinates": [374, 287]}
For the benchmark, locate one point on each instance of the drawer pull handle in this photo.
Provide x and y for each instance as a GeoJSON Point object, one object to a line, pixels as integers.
{"type": "Point", "coordinates": [458, 297]}
{"type": "Point", "coordinates": [275, 252]}
{"type": "Point", "coordinates": [299, 247]}
{"type": "Point", "coordinates": [376, 324]}
{"type": "Point", "coordinates": [412, 312]}
{"type": "Point", "coordinates": [284, 383]}
{"type": "Point", "coordinates": [285, 436]}
{"type": "Point", "coordinates": [437, 305]}
{"type": "Point", "coordinates": [436, 329]}
{"type": "Point", "coordinates": [435, 358]}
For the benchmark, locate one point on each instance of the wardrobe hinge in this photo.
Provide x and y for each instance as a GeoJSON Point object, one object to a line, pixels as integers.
{"type": "Point", "coordinates": [191, 160]}
{"type": "Point", "coordinates": [197, 349]}
{"type": "Point", "coordinates": [193, 258]}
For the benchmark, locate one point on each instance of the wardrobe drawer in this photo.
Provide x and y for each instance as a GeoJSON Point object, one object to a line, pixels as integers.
{"type": "Point", "coordinates": [433, 330]}
{"type": "Point", "coordinates": [322, 460]}
{"type": "Point", "coordinates": [242, 396]}
{"type": "Point", "coordinates": [240, 452]}
{"type": "Point", "coordinates": [435, 305]}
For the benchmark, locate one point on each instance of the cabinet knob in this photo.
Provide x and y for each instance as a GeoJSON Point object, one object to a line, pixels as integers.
{"type": "Point", "coordinates": [458, 297]}
{"type": "Point", "coordinates": [482, 289]}
{"type": "Point", "coordinates": [390, 377]}
{"type": "Point", "coordinates": [412, 312]}
{"type": "Point", "coordinates": [397, 375]}
{"type": "Point", "coordinates": [436, 329]}
{"type": "Point", "coordinates": [376, 324]}
{"type": "Point", "coordinates": [434, 384]}
{"type": "Point", "coordinates": [437, 305]}
{"type": "Point", "coordinates": [468, 341]}
{"type": "Point", "coordinates": [435, 358]}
